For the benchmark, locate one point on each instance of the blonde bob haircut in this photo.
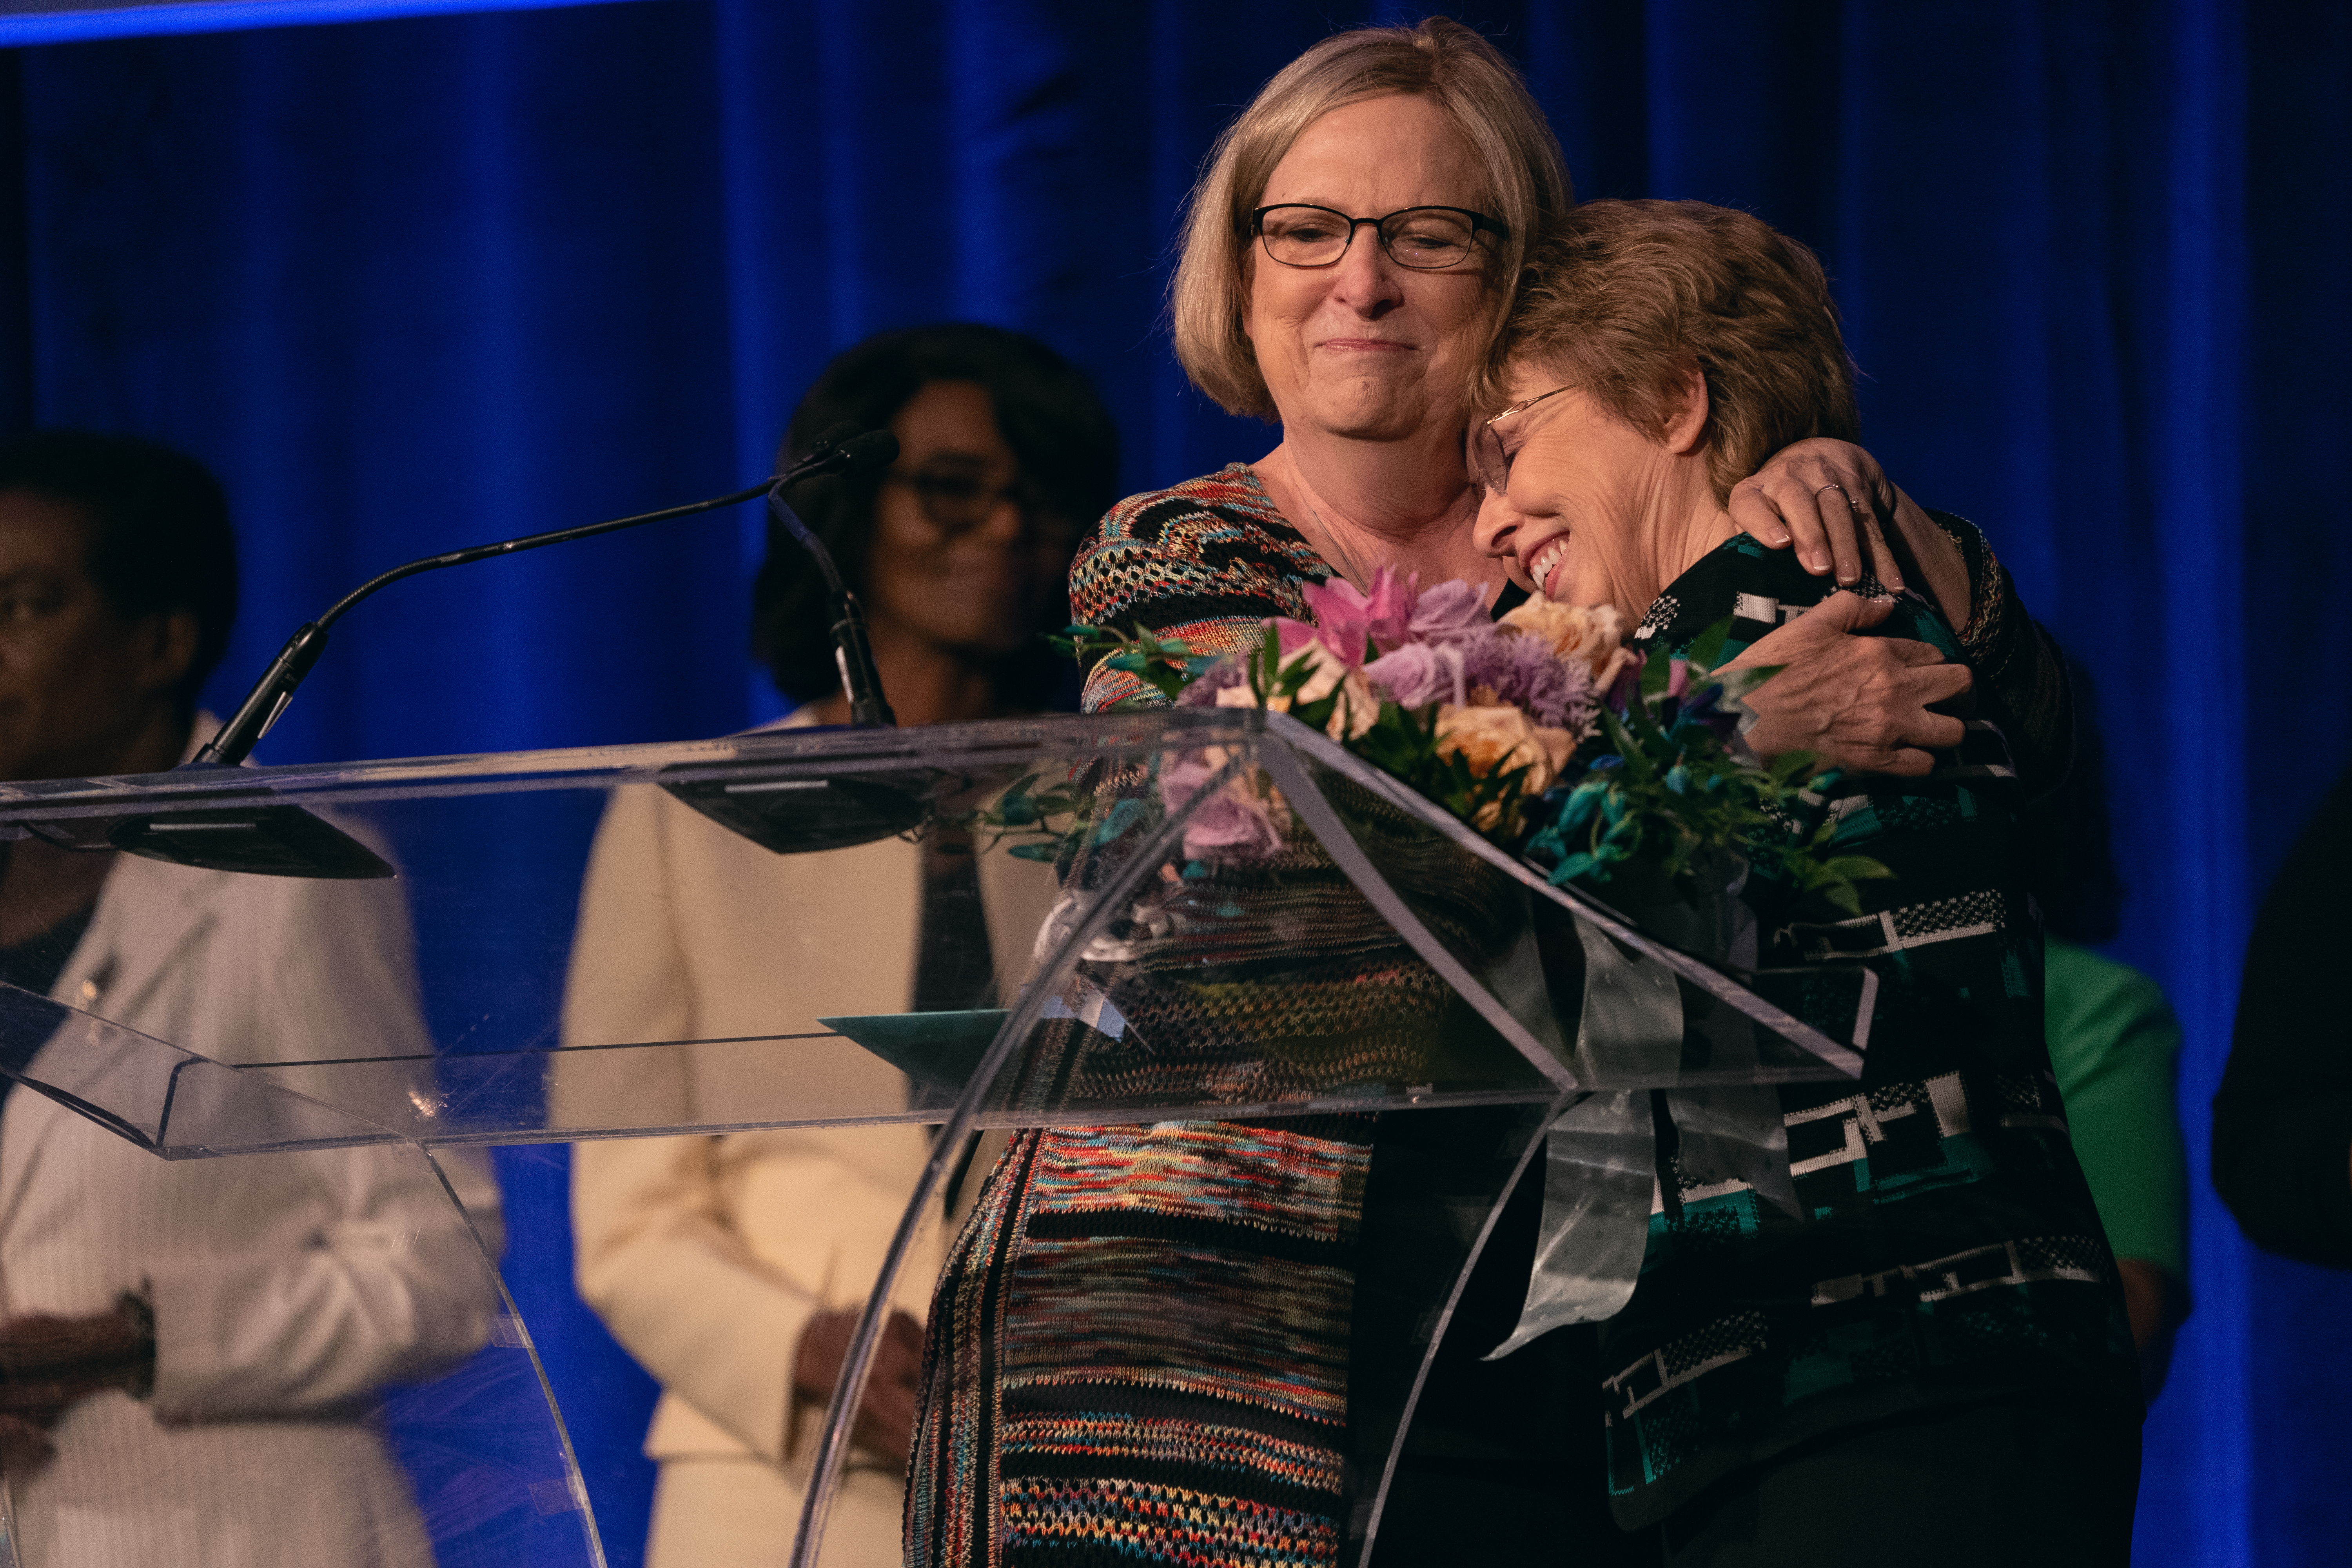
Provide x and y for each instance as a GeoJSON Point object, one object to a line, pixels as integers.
{"type": "Point", "coordinates": [1623, 299]}
{"type": "Point", "coordinates": [1526, 179]}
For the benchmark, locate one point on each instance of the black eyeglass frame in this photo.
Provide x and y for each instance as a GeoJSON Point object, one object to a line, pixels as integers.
{"type": "Point", "coordinates": [1479, 224]}
{"type": "Point", "coordinates": [932, 490]}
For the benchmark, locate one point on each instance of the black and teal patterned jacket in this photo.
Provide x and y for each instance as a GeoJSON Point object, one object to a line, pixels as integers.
{"type": "Point", "coordinates": [1949, 1250]}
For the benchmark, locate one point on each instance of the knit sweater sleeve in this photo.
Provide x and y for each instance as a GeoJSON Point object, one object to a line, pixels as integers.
{"type": "Point", "coordinates": [2021, 672]}
{"type": "Point", "coordinates": [1207, 561]}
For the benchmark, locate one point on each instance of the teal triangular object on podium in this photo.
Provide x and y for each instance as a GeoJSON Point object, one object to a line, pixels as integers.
{"type": "Point", "coordinates": [941, 1048]}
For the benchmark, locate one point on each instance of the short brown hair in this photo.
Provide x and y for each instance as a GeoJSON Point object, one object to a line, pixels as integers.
{"type": "Point", "coordinates": [1623, 299]}
{"type": "Point", "coordinates": [1467, 77]}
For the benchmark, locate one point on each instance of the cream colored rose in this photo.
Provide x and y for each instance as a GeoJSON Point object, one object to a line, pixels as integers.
{"type": "Point", "coordinates": [1325, 671]}
{"type": "Point", "coordinates": [1358, 708]}
{"type": "Point", "coordinates": [1592, 633]}
{"type": "Point", "coordinates": [1243, 696]}
{"type": "Point", "coordinates": [1500, 738]}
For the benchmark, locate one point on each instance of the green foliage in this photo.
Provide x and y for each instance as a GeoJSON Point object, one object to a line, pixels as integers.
{"type": "Point", "coordinates": [1165, 664]}
{"type": "Point", "coordinates": [1676, 796]}
{"type": "Point", "coordinates": [1675, 793]}
{"type": "Point", "coordinates": [1051, 823]}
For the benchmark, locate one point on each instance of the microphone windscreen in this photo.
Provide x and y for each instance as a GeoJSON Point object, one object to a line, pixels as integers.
{"type": "Point", "coordinates": [831, 437]}
{"type": "Point", "coordinates": [863, 454]}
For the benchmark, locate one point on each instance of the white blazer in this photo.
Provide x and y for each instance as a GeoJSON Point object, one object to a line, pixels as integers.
{"type": "Point", "coordinates": [287, 1288]}
{"type": "Point", "coordinates": [708, 1255]}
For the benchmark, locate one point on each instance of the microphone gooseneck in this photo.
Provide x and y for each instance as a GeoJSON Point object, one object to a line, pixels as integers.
{"type": "Point", "coordinates": [838, 450]}
{"type": "Point", "coordinates": [861, 682]}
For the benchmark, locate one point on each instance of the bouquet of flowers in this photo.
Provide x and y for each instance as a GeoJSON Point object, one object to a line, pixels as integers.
{"type": "Point", "coordinates": [1540, 729]}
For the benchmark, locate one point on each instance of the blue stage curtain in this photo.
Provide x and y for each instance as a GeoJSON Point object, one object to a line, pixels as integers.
{"type": "Point", "coordinates": [414, 284]}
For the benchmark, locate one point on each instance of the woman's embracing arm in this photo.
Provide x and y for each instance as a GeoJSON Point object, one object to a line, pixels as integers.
{"type": "Point", "coordinates": [1830, 502]}
{"type": "Point", "coordinates": [2020, 670]}
{"type": "Point", "coordinates": [1826, 500]}
{"type": "Point", "coordinates": [1863, 704]}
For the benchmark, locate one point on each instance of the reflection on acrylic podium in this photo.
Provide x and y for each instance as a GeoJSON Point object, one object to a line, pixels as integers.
{"type": "Point", "coordinates": [1134, 989]}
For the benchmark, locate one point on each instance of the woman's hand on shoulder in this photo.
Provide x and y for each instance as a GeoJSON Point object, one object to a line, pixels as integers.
{"type": "Point", "coordinates": [1855, 702]}
{"type": "Point", "coordinates": [1832, 503]}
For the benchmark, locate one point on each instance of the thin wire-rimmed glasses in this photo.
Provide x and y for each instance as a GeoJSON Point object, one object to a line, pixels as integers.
{"type": "Point", "coordinates": [1427, 239]}
{"type": "Point", "coordinates": [1491, 449]}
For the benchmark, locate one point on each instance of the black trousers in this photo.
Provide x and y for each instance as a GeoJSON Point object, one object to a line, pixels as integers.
{"type": "Point", "coordinates": [1503, 1462]}
{"type": "Point", "coordinates": [1995, 1483]}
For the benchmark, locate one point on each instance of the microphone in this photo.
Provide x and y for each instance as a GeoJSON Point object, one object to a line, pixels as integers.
{"type": "Point", "coordinates": [859, 680]}
{"type": "Point", "coordinates": [798, 816]}
{"type": "Point", "coordinates": [840, 450]}
{"type": "Point", "coordinates": [240, 828]}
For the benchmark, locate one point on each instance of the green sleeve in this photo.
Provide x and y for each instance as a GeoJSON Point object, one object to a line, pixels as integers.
{"type": "Point", "coordinates": [2114, 1045]}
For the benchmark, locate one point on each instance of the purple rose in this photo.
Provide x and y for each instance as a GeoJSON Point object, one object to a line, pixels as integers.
{"type": "Point", "coordinates": [1232, 824]}
{"type": "Point", "coordinates": [1449, 612]}
{"type": "Point", "coordinates": [1233, 670]}
{"type": "Point", "coordinates": [1181, 778]}
{"type": "Point", "coordinates": [1229, 827]}
{"type": "Point", "coordinates": [1418, 674]}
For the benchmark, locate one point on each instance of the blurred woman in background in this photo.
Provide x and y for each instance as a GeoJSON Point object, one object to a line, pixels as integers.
{"type": "Point", "coordinates": [961, 549]}
{"type": "Point", "coordinates": [732, 1266]}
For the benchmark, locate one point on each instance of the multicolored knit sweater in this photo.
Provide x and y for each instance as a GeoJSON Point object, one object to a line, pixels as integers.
{"type": "Point", "coordinates": [1207, 561]}
{"type": "Point", "coordinates": [1138, 1353]}
{"type": "Point", "coordinates": [1138, 1350]}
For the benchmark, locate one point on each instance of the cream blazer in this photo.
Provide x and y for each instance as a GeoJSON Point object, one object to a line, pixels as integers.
{"type": "Point", "coordinates": [707, 1256]}
{"type": "Point", "coordinates": [287, 1288]}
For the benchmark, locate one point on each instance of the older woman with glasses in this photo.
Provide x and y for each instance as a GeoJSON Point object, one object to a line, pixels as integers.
{"type": "Point", "coordinates": [1928, 1346]}
{"type": "Point", "coordinates": [1352, 252]}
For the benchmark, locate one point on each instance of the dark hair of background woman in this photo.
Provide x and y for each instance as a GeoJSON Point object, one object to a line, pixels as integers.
{"type": "Point", "coordinates": [1063, 438]}
{"type": "Point", "coordinates": [159, 536]}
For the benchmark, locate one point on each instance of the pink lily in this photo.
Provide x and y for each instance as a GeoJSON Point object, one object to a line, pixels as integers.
{"type": "Point", "coordinates": [1291, 637]}
{"type": "Point", "coordinates": [1349, 618]}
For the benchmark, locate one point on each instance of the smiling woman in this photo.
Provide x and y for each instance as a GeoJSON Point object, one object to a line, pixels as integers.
{"type": "Point", "coordinates": [1352, 253]}
{"type": "Point", "coordinates": [1364, 354]}
{"type": "Point", "coordinates": [1939, 1314]}
{"type": "Point", "coordinates": [958, 550]}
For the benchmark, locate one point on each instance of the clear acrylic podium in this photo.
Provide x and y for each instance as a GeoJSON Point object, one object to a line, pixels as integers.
{"type": "Point", "coordinates": [1120, 1000]}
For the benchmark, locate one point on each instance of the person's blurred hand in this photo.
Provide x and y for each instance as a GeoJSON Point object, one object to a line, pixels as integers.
{"type": "Point", "coordinates": [885, 1415]}
{"type": "Point", "coordinates": [1855, 702]}
{"type": "Point", "coordinates": [2157, 1304]}
{"type": "Point", "coordinates": [47, 1363]}
{"type": "Point", "coordinates": [24, 1447]}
